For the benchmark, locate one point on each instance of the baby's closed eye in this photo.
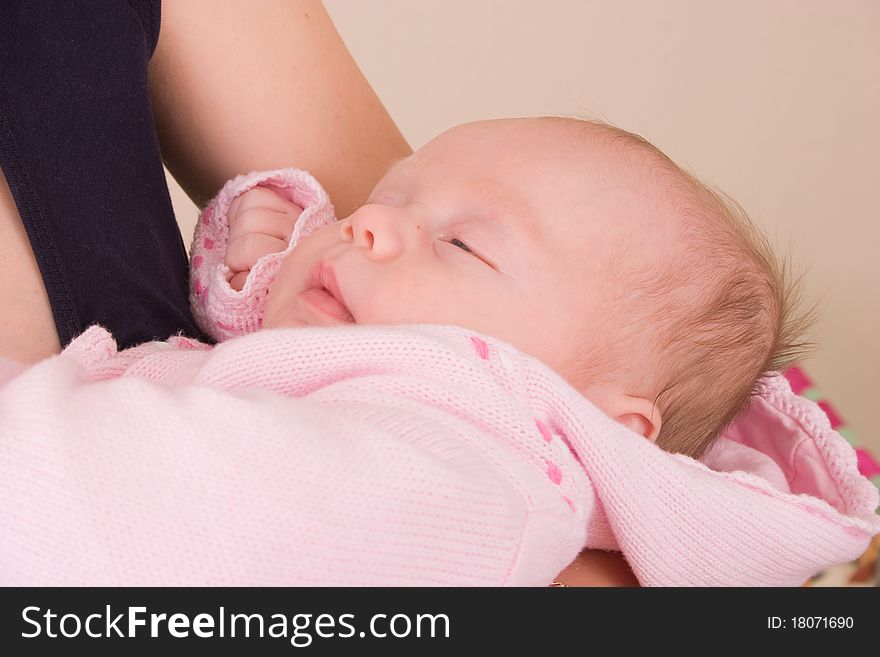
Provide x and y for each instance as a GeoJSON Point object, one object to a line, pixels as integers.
{"type": "Point", "coordinates": [457, 242]}
{"type": "Point", "coordinates": [464, 247]}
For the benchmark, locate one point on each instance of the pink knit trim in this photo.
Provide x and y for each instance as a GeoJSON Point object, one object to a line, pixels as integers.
{"type": "Point", "coordinates": [219, 310]}
{"type": "Point", "coordinates": [861, 496]}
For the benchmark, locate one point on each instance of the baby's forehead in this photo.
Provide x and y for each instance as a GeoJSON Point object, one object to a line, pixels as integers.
{"type": "Point", "coordinates": [564, 156]}
{"type": "Point", "coordinates": [577, 184]}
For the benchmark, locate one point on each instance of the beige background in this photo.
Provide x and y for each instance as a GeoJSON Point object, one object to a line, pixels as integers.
{"type": "Point", "coordinates": [775, 101]}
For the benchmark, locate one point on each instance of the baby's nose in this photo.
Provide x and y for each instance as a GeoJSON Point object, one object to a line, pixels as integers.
{"type": "Point", "coordinates": [376, 228]}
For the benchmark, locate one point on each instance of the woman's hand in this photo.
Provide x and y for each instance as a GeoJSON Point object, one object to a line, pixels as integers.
{"type": "Point", "coordinates": [260, 222]}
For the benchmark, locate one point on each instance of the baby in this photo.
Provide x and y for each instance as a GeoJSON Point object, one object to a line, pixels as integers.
{"type": "Point", "coordinates": [455, 388]}
{"type": "Point", "coordinates": [578, 243]}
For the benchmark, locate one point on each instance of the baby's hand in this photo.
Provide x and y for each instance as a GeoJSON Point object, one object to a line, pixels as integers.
{"type": "Point", "coordinates": [260, 222]}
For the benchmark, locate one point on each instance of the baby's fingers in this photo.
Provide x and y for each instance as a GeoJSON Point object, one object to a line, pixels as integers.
{"type": "Point", "coordinates": [244, 251]}
{"type": "Point", "coordinates": [262, 220]}
{"type": "Point", "coordinates": [259, 197]}
{"type": "Point", "coordinates": [237, 281]}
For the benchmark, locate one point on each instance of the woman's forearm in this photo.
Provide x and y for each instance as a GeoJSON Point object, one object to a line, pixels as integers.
{"type": "Point", "coordinates": [264, 85]}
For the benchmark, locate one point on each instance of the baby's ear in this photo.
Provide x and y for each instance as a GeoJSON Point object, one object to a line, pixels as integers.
{"type": "Point", "coordinates": [645, 422]}
{"type": "Point", "coordinates": [636, 413]}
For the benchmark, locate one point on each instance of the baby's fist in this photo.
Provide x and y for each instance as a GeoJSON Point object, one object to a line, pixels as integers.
{"type": "Point", "coordinates": [260, 222]}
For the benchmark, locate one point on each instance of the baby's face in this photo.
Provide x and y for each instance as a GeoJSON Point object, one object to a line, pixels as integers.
{"type": "Point", "coordinates": [508, 227]}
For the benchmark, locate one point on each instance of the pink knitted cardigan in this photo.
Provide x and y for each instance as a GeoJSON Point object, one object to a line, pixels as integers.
{"type": "Point", "coordinates": [385, 455]}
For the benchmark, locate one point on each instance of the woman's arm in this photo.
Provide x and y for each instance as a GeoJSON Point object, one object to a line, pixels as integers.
{"type": "Point", "coordinates": [27, 330]}
{"type": "Point", "coordinates": [241, 86]}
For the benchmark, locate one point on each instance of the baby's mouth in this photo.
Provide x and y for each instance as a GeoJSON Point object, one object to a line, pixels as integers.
{"type": "Point", "coordinates": [322, 292]}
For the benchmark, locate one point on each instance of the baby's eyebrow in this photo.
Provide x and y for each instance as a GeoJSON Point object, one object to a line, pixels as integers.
{"type": "Point", "coordinates": [515, 207]}
{"type": "Point", "coordinates": [406, 166]}
{"type": "Point", "coordinates": [516, 210]}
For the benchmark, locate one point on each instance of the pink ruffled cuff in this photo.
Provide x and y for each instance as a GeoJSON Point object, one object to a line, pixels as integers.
{"type": "Point", "coordinates": [219, 310]}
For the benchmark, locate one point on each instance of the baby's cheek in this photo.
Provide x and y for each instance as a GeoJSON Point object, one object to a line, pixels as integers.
{"type": "Point", "coordinates": [281, 296]}
{"type": "Point", "coordinates": [390, 306]}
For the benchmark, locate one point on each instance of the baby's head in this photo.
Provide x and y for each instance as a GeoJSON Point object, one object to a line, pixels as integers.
{"type": "Point", "coordinates": [578, 243]}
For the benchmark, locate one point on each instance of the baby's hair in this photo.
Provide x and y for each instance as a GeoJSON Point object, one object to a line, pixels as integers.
{"type": "Point", "coordinates": [744, 324]}
{"type": "Point", "coordinates": [724, 309]}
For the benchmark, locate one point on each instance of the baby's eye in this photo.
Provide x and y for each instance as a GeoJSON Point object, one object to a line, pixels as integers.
{"type": "Point", "coordinates": [454, 241]}
{"type": "Point", "coordinates": [460, 244]}
{"type": "Point", "coordinates": [457, 242]}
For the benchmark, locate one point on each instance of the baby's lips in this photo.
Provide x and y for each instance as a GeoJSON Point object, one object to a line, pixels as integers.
{"type": "Point", "coordinates": [323, 276]}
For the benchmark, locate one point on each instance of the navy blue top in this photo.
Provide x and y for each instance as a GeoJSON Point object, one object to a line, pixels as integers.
{"type": "Point", "coordinates": [79, 150]}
